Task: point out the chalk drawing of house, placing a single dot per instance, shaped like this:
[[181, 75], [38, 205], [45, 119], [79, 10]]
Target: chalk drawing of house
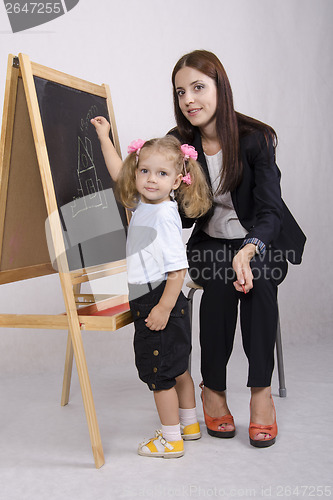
[[91, 193]]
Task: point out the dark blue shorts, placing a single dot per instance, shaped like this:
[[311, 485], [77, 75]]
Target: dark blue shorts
[[161, 356]]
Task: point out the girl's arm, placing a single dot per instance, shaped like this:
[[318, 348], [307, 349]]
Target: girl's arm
[[159, 315], [111, 157]]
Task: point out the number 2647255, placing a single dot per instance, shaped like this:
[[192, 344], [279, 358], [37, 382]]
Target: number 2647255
[[34, 8]]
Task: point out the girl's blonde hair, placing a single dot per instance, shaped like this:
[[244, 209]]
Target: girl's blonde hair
[[194, 199]]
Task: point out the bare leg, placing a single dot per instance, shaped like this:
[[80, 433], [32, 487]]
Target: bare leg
[[167, 406], [216, 405], [169, 401], [185, 391], [262, 411]]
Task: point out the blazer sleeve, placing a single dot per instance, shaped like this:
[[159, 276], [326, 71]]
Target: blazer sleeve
[[266, 205]]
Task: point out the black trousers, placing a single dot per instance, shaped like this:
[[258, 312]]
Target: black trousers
[[210, 262]]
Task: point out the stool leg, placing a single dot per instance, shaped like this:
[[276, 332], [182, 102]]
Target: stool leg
[[190, 309], [279, 355]]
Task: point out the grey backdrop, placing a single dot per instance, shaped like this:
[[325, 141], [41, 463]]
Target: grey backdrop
[[278, 55]]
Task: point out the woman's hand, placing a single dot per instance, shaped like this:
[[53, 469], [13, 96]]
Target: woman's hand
[[241, 265], [158, 317], [102, 127]]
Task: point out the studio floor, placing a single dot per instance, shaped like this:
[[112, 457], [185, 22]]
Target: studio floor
[[45, 449]]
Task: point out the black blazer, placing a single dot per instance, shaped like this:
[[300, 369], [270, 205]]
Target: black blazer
[[257, 199]]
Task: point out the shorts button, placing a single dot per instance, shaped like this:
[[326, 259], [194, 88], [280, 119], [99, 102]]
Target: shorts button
[[156, 353], [155, 369], [153, 386], [182, 311], [138, 313]]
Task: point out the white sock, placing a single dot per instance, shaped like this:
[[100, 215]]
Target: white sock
[[188, 416], [171, 432]]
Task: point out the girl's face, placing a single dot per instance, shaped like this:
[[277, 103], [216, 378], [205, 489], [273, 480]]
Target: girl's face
[[197, 97], [156, 177]]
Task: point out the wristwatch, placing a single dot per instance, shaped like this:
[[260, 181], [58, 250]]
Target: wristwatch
[[260, 247]]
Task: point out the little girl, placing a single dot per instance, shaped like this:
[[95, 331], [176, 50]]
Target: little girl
[[154, 173]]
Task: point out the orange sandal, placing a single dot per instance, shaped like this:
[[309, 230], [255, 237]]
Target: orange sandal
[[255, 429], [213, 423]]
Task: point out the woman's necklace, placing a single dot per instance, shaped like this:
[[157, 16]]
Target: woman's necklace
[[210, 147]]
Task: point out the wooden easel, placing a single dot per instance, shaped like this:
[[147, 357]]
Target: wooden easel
[[24, 157]]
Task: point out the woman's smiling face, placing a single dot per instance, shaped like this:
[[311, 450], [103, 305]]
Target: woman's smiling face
[[197, 96]]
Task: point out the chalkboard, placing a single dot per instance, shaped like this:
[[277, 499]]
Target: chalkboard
[[93, 222]]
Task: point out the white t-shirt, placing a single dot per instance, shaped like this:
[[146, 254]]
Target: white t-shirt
[[224, 222], [154, 243]]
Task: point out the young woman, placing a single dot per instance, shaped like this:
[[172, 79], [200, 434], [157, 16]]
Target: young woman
[[237, 252]]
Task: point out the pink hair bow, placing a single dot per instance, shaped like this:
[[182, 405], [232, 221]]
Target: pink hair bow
[[135, 146], [187, 179], [189, 151]]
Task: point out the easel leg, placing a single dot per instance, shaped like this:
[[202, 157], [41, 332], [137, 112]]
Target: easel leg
[[66, 385], [75, 346], [87, 396]]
